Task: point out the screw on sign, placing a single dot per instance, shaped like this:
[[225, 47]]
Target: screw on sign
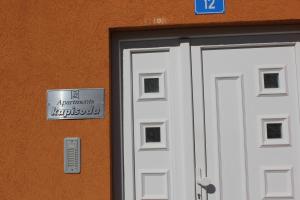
[[209, 6]]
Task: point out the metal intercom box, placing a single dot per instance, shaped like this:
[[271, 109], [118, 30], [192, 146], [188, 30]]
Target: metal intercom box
[[72, 155]]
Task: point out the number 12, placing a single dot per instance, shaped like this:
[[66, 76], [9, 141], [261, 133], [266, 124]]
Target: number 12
[[209, 4]]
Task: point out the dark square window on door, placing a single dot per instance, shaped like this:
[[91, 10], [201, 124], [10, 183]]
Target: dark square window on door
[[271, 80], [152, 134], [151, 85], [274, 130]]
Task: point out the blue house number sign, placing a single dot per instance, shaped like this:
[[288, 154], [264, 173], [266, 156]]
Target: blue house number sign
[[209, 6]]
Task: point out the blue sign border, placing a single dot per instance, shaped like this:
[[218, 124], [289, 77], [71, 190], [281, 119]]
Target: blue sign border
[[209, 12]]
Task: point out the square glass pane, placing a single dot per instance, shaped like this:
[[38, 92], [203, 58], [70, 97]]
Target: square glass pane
[[152, 134], [151, 85], [274, 131], [271, 80]]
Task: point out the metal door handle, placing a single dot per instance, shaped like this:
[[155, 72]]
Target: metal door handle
[[204, 182]]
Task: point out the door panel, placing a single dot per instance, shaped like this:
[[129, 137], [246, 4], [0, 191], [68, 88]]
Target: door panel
[[160, 140], [252, 124], [229, 153]]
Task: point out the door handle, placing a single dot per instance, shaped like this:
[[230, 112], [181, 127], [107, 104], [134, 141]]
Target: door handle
[[204, 182]]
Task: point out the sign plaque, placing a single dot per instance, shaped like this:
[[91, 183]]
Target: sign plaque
[[209, 6], [75, 104]]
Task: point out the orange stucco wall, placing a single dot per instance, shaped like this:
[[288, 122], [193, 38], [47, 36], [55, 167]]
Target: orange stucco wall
[[65, 44]]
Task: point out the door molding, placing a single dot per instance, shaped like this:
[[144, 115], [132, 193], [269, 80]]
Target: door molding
[[235, 37]]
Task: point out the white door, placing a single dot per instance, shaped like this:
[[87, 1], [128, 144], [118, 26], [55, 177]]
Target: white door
[[227, 114], [251, 120], [158, 130]]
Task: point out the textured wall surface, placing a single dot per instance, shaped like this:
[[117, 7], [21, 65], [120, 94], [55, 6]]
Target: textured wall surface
[[53, 44]]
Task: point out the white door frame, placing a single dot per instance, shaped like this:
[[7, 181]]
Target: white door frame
[[210, 39]]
